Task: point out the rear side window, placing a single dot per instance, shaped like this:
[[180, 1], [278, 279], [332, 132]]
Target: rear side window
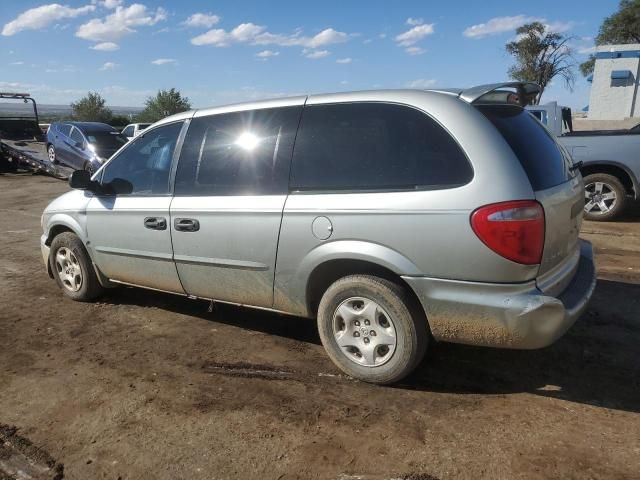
[[240, 153], [544, 162], [369, 146]]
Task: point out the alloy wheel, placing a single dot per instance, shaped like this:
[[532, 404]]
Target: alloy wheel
[[600, 198], [364, 331], [68, 269]]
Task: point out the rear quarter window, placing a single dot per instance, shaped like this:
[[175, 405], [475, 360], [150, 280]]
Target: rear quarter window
[[373, 146], [543, 160]]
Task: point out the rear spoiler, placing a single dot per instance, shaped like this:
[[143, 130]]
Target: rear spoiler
[[495, 93]]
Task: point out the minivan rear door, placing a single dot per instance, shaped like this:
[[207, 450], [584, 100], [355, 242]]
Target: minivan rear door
[[557, 186]]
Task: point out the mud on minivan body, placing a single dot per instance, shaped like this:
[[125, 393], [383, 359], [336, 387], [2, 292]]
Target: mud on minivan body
[[393, 217]]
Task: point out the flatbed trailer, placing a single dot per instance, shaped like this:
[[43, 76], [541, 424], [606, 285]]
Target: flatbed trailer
[[23, 144]]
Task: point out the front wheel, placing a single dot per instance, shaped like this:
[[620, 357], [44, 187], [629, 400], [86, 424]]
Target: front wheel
[[605, 197], [72, 268], [371, 330]]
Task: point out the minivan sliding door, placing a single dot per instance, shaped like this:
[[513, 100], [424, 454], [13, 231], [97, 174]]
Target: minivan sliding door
[[230, 189]]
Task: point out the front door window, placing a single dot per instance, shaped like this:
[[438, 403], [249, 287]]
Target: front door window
[[143, 166]]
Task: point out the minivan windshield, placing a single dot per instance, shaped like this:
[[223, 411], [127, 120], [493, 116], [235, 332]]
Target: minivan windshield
[[543, 160]]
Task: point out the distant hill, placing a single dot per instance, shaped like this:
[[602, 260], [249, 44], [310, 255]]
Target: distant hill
[[8, 109]]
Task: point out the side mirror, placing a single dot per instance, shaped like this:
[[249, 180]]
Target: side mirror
[[80, 145], [80, 180]]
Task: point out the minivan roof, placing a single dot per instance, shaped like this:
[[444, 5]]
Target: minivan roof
[[469, 95]]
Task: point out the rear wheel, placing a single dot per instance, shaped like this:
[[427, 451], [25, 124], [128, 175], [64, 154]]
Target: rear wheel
[[370, 330], [72, 268], [605, 197]]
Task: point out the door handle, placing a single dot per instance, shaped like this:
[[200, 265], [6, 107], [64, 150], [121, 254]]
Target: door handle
[[155, 223], [186, 224]]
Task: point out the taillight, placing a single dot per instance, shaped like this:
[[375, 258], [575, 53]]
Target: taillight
[[514, 230]]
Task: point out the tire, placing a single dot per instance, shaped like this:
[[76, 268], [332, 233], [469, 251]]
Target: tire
[[51, 154], [72, 268], [394, 313], [599, 204]]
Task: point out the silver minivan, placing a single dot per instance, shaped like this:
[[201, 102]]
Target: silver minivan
[[396, 218]]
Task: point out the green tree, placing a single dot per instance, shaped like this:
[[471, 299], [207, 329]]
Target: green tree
[[119, 121], [621, 27], [165, 103], [541, 56], [91, 108], [586, 67]]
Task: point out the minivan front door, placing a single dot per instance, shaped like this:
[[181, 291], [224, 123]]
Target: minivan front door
[[230, 190], [128, 228]]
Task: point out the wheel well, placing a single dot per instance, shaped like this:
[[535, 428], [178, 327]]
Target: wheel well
[[55, 231], [327, 273], [618, 172]]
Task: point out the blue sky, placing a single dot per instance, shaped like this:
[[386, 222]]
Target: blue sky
[[218, 52]]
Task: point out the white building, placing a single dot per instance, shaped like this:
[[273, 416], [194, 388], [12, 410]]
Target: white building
[[615, 83]]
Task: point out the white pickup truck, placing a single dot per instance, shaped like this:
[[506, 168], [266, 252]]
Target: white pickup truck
[[609, 160], [133, 129]]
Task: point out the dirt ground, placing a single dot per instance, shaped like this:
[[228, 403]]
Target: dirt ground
[[143, 385]]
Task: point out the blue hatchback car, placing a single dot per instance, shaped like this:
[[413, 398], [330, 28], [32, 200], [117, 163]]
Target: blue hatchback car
[[82, 145]]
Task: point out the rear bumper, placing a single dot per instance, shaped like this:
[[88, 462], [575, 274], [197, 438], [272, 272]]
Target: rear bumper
[[505, 315]]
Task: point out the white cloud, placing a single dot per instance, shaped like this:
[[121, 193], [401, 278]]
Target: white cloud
[[267, 53], [164, 61], [315, 54], [328, 36], [559, 27], [105, 47], [47, 93], [16, 63], [40, 17], [67, 69], [414, 35], [415, 50], [120, 23], [421, 83], [204, 20], [111, 4], [257, 35], [108, 66], [414, 21], [243, 94], [344, 61], [497, 25], [587, 50], [123, 96], [219, 37]]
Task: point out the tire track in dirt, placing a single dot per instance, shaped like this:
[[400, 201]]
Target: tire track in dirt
[[22, 460]]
